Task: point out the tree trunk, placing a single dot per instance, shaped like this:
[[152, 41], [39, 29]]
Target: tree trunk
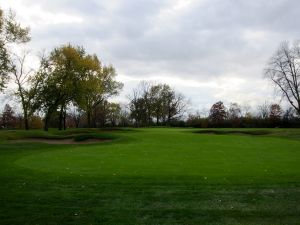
[[65, 115], [89, 118], [26, 120], [25, 113], [47, 117], [61, 118], [60, 121], [77, 123], [94, 118]]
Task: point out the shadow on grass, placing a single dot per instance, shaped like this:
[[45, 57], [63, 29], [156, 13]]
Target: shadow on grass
[[222, 132]]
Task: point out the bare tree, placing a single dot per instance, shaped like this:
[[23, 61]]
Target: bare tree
[[264, 110], [11, 32], [139, 105], [284, 70], [25, 92], [75, 114], [234, 114], [289, 114], [246, 110], [176, 106], [234, 111]]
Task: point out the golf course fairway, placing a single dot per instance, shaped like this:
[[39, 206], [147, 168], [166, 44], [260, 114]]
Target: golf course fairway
[[151, 176]]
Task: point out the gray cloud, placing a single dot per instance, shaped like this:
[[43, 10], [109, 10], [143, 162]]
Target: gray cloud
[[201, 41]]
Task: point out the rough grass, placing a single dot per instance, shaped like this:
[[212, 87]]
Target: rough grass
[[73, 134], [98, 136], [248, 132], [154, 176]]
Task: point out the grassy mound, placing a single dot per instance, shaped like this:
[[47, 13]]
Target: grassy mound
[[72, 134]]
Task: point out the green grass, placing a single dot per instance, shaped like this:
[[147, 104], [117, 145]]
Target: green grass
[[152, 176]]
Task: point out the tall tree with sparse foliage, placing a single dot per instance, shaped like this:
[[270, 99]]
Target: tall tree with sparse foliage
[[283, 70], [26, 89], [11, 32]]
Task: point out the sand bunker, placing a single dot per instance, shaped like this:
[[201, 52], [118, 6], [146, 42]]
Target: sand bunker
[[60, 141]]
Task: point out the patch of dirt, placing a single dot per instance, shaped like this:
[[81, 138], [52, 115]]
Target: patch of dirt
[[59, 141]]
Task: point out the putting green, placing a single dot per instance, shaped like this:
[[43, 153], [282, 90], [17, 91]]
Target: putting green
[[151, 176], [175, 155]]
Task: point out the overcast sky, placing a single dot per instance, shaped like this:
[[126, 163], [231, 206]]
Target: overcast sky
[[209, 50]]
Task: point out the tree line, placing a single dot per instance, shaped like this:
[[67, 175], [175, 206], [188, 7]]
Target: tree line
[[236, 116], [72, 88], [143, 112], [68, 77]]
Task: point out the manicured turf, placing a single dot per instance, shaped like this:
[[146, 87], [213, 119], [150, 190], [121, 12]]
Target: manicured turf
[[152, 176]]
